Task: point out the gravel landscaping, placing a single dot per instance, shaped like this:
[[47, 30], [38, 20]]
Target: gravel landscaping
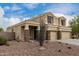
[[33, 49]]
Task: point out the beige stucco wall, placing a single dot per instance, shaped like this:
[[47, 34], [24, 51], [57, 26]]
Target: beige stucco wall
[[44, 17], [54, 20], [17, 31], [53, 27]]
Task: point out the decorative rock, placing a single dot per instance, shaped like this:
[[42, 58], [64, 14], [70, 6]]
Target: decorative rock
[[42, 48]]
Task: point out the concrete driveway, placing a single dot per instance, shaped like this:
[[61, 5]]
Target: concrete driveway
[[70, 41]]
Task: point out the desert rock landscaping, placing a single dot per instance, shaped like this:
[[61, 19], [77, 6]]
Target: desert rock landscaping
[[32, 49]]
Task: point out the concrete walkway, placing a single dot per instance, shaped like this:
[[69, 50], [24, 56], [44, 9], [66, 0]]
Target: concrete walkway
[[70, 41]]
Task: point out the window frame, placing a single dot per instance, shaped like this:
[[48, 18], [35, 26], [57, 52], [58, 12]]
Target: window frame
[[49, 19], [63, 22]]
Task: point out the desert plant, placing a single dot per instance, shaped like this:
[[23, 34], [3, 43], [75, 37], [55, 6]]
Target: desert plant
[[7, 44], [42, 34], [1, 30], [3, 41]]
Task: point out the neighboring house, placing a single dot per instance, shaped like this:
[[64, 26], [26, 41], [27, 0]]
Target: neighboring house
[[29, 29]]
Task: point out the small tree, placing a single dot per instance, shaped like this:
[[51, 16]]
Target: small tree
[[74, 23], [3, 41], [1, 29]]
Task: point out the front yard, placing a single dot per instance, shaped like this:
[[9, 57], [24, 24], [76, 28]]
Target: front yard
[[32, 49]]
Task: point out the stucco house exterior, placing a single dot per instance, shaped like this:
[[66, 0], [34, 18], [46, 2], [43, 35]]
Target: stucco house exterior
[[28, 29]]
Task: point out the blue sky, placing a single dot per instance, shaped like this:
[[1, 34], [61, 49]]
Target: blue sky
[[11, 13]]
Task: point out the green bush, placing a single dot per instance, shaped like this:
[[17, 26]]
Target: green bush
[[3, 41]]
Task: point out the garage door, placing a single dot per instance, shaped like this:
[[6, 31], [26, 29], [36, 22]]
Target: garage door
[[53, 36], [65, 35]]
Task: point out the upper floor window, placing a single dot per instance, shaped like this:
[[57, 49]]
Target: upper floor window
[[49, 19], [63, 22]]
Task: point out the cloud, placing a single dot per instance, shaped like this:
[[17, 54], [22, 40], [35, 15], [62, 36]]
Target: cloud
[[1, 12], [61, 8], [1, 15], [7, 8], [13, 21], [15, 7], [26, 18], [31, 6], [6, 22], [68, 17]]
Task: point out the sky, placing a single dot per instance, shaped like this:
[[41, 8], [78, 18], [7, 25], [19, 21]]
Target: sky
[[13, 13]]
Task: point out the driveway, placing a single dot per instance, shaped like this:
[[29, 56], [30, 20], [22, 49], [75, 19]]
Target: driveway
[[70, 41]]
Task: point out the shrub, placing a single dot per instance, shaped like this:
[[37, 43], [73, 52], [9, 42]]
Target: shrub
[[7, 44], [3, 41]]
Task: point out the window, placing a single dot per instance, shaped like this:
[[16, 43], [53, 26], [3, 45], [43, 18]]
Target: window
[[63, 22], [49, 19]]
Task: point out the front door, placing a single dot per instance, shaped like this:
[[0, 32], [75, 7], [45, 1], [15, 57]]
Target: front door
[[33, 32], [58, 35]]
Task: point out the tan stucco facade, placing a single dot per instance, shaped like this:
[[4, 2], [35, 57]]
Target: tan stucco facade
[[52, 27]]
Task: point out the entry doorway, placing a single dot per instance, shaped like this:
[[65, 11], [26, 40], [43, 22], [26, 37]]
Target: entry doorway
[[58, 35], [33, 32]]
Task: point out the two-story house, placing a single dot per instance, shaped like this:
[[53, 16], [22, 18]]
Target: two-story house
[[28, 29]]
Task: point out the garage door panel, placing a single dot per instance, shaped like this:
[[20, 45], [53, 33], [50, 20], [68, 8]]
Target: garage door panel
[[65, 35], [53, 36]]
